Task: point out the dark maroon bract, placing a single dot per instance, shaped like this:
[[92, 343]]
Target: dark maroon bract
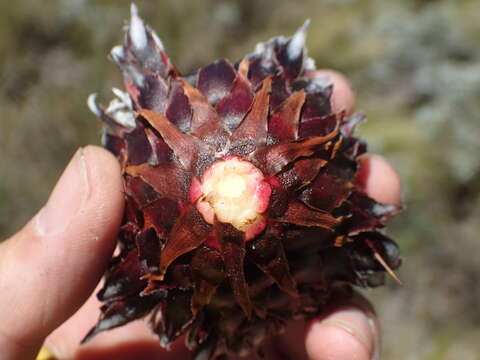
[[242, 209]]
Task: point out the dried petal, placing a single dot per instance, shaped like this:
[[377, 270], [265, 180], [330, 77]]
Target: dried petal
[[215, 80], [176, 317], [291, 55], [301, 174], [299, 214], [206, 124], [326, 192], [123, 279], [161, 215], [188, 233], [208, 272], [120, 312], [252, 132], [148, 245], [169, 180], [268, 253], [233, 250], [233, 107], [141, 193], [274, 158], [179, 110], [139, 149], [284, 123], [190, 151], [319, 126]]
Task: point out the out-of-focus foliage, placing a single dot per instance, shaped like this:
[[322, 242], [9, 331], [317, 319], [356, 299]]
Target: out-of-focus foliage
[[414, 64], [432, 61]]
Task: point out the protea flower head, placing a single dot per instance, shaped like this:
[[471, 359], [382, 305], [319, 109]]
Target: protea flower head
[[242, 209]]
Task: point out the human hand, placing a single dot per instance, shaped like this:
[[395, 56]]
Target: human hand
[[51, 267]]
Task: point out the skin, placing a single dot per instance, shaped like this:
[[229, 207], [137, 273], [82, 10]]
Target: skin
[[51, 267]]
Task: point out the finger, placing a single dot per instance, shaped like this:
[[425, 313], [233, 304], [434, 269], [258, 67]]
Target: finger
[[349, 331], [379, 179], [343, 96], [52, 265], [132, 341]]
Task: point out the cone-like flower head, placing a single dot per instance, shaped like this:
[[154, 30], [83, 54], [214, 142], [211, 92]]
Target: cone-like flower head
[[242, 209]]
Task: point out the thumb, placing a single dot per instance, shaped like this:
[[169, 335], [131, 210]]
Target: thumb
[[51, 266]]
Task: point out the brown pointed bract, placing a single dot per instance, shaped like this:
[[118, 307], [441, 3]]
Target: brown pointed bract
[[251, 134], [284, 122], [233, 251], [242, 208], [189, 232]]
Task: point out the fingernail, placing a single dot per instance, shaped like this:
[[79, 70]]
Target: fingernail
[[375, 330], [67, 198]]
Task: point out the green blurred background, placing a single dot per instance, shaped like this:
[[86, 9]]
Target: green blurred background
[[414, 64]]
